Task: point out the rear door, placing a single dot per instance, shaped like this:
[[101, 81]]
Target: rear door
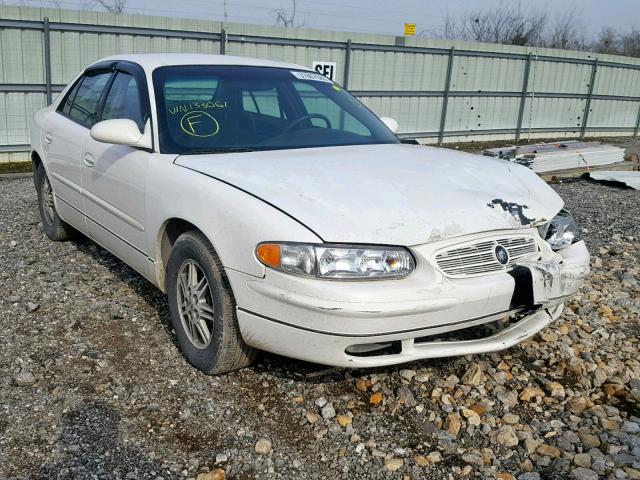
[[63, 134], [114, 175]]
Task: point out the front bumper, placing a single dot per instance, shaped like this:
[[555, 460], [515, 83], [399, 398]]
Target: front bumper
[[328, 322]]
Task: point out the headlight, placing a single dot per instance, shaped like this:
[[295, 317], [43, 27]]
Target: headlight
[[338, 262], [561, 231]]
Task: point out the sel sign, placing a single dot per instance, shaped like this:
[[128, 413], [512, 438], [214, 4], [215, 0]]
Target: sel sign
[[328, 69]]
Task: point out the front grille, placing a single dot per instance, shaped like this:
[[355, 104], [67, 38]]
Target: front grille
[[479, 258]]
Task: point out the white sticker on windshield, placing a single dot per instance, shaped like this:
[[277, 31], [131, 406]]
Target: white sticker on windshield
[[310, 76]]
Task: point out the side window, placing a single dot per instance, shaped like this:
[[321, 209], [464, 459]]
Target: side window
[[123, 100], [84, 108], [315, 102], [264, 102]]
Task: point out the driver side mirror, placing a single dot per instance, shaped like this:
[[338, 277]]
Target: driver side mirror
[[390, 123], [122, 131]]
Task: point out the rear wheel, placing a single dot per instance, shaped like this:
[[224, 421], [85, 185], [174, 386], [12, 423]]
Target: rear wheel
[[55, 228], [202, 307]]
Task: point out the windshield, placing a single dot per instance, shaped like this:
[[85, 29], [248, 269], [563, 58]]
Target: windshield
[[234, 108]]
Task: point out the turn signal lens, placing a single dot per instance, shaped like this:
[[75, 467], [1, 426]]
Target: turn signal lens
[[269, 254]]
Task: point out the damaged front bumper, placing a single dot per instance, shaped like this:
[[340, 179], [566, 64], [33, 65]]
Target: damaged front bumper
[[367, 324]]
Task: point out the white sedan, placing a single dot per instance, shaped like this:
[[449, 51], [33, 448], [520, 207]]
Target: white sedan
[[278, 213]]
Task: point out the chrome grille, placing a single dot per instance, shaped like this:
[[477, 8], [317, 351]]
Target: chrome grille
[[479, 258]]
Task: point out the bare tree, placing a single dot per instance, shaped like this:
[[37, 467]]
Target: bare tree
[[566, 34], [113, 6], [288, 18], [506, 23], [450, 30], [630, 43], [607, 41], [510, 24]]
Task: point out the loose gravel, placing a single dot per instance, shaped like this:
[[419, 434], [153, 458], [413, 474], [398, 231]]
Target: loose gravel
[[93, 386]]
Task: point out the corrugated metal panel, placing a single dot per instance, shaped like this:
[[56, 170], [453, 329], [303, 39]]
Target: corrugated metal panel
[[22, 56], [617, 81], [397, 71], [288, 53], [559, 77], [71, 52], [481, 113], [414, 114], [487, 74], [400, 70], [605, 113], [553, 112], [17, 110]]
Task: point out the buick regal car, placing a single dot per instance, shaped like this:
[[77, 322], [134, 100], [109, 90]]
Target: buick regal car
[[278, 213]]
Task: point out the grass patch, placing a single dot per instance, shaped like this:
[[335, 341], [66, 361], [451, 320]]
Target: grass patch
[[15, 167]]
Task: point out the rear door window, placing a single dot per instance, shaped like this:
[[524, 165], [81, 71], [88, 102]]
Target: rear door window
[[85, 105]]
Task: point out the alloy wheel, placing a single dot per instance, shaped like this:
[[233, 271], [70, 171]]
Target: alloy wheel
[[195, 304], [47, 201]]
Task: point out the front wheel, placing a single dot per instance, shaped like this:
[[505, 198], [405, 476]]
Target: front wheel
[[202, 307], [55, 228]]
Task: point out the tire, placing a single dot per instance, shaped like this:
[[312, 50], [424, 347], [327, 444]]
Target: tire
[[203, 315], [55, 228]]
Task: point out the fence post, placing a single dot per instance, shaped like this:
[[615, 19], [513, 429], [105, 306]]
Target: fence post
[[635, 130], [47, 60], [523, 98], [223, 41], [585, 117], [445, 99], [347, 64]]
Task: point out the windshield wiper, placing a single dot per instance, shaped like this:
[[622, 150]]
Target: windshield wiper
[[219, 150]]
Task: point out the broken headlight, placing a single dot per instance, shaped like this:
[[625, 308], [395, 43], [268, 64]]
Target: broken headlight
[[337, 261], [561, 231]]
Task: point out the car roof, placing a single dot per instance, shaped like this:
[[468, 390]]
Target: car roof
[[150, 61]]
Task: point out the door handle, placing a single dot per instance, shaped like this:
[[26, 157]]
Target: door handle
[[48, 138], [89, 160]]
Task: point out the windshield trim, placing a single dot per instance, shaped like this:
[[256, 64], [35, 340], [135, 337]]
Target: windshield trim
[[287, 147]]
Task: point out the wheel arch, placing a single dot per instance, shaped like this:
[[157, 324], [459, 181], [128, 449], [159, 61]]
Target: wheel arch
[[169, 232], [36, 161]]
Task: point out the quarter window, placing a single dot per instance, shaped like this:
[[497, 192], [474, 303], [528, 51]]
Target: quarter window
[[65, 106]]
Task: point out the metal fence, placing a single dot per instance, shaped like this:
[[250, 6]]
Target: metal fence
[[436, 93]]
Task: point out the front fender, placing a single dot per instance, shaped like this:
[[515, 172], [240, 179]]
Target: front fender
[[233, 220]]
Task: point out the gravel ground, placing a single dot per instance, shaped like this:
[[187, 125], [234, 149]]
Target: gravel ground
[[92, 384]]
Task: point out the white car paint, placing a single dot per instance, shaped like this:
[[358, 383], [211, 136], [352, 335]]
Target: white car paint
[[426, 199], [421, 193]]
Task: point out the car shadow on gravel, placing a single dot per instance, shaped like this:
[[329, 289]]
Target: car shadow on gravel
[[268, 363], [91, 446], [143, 288]]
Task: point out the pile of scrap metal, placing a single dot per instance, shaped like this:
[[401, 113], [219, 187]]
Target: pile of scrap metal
[[552, 157]]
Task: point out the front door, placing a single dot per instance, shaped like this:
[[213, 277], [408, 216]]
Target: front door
[[114, 175], [63, 134]]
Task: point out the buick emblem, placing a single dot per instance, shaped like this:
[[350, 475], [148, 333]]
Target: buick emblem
[[502, 255]]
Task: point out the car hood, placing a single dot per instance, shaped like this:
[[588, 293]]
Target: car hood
[[392, 194]]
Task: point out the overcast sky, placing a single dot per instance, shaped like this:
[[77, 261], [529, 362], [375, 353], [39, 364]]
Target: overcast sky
[[372, 16]]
